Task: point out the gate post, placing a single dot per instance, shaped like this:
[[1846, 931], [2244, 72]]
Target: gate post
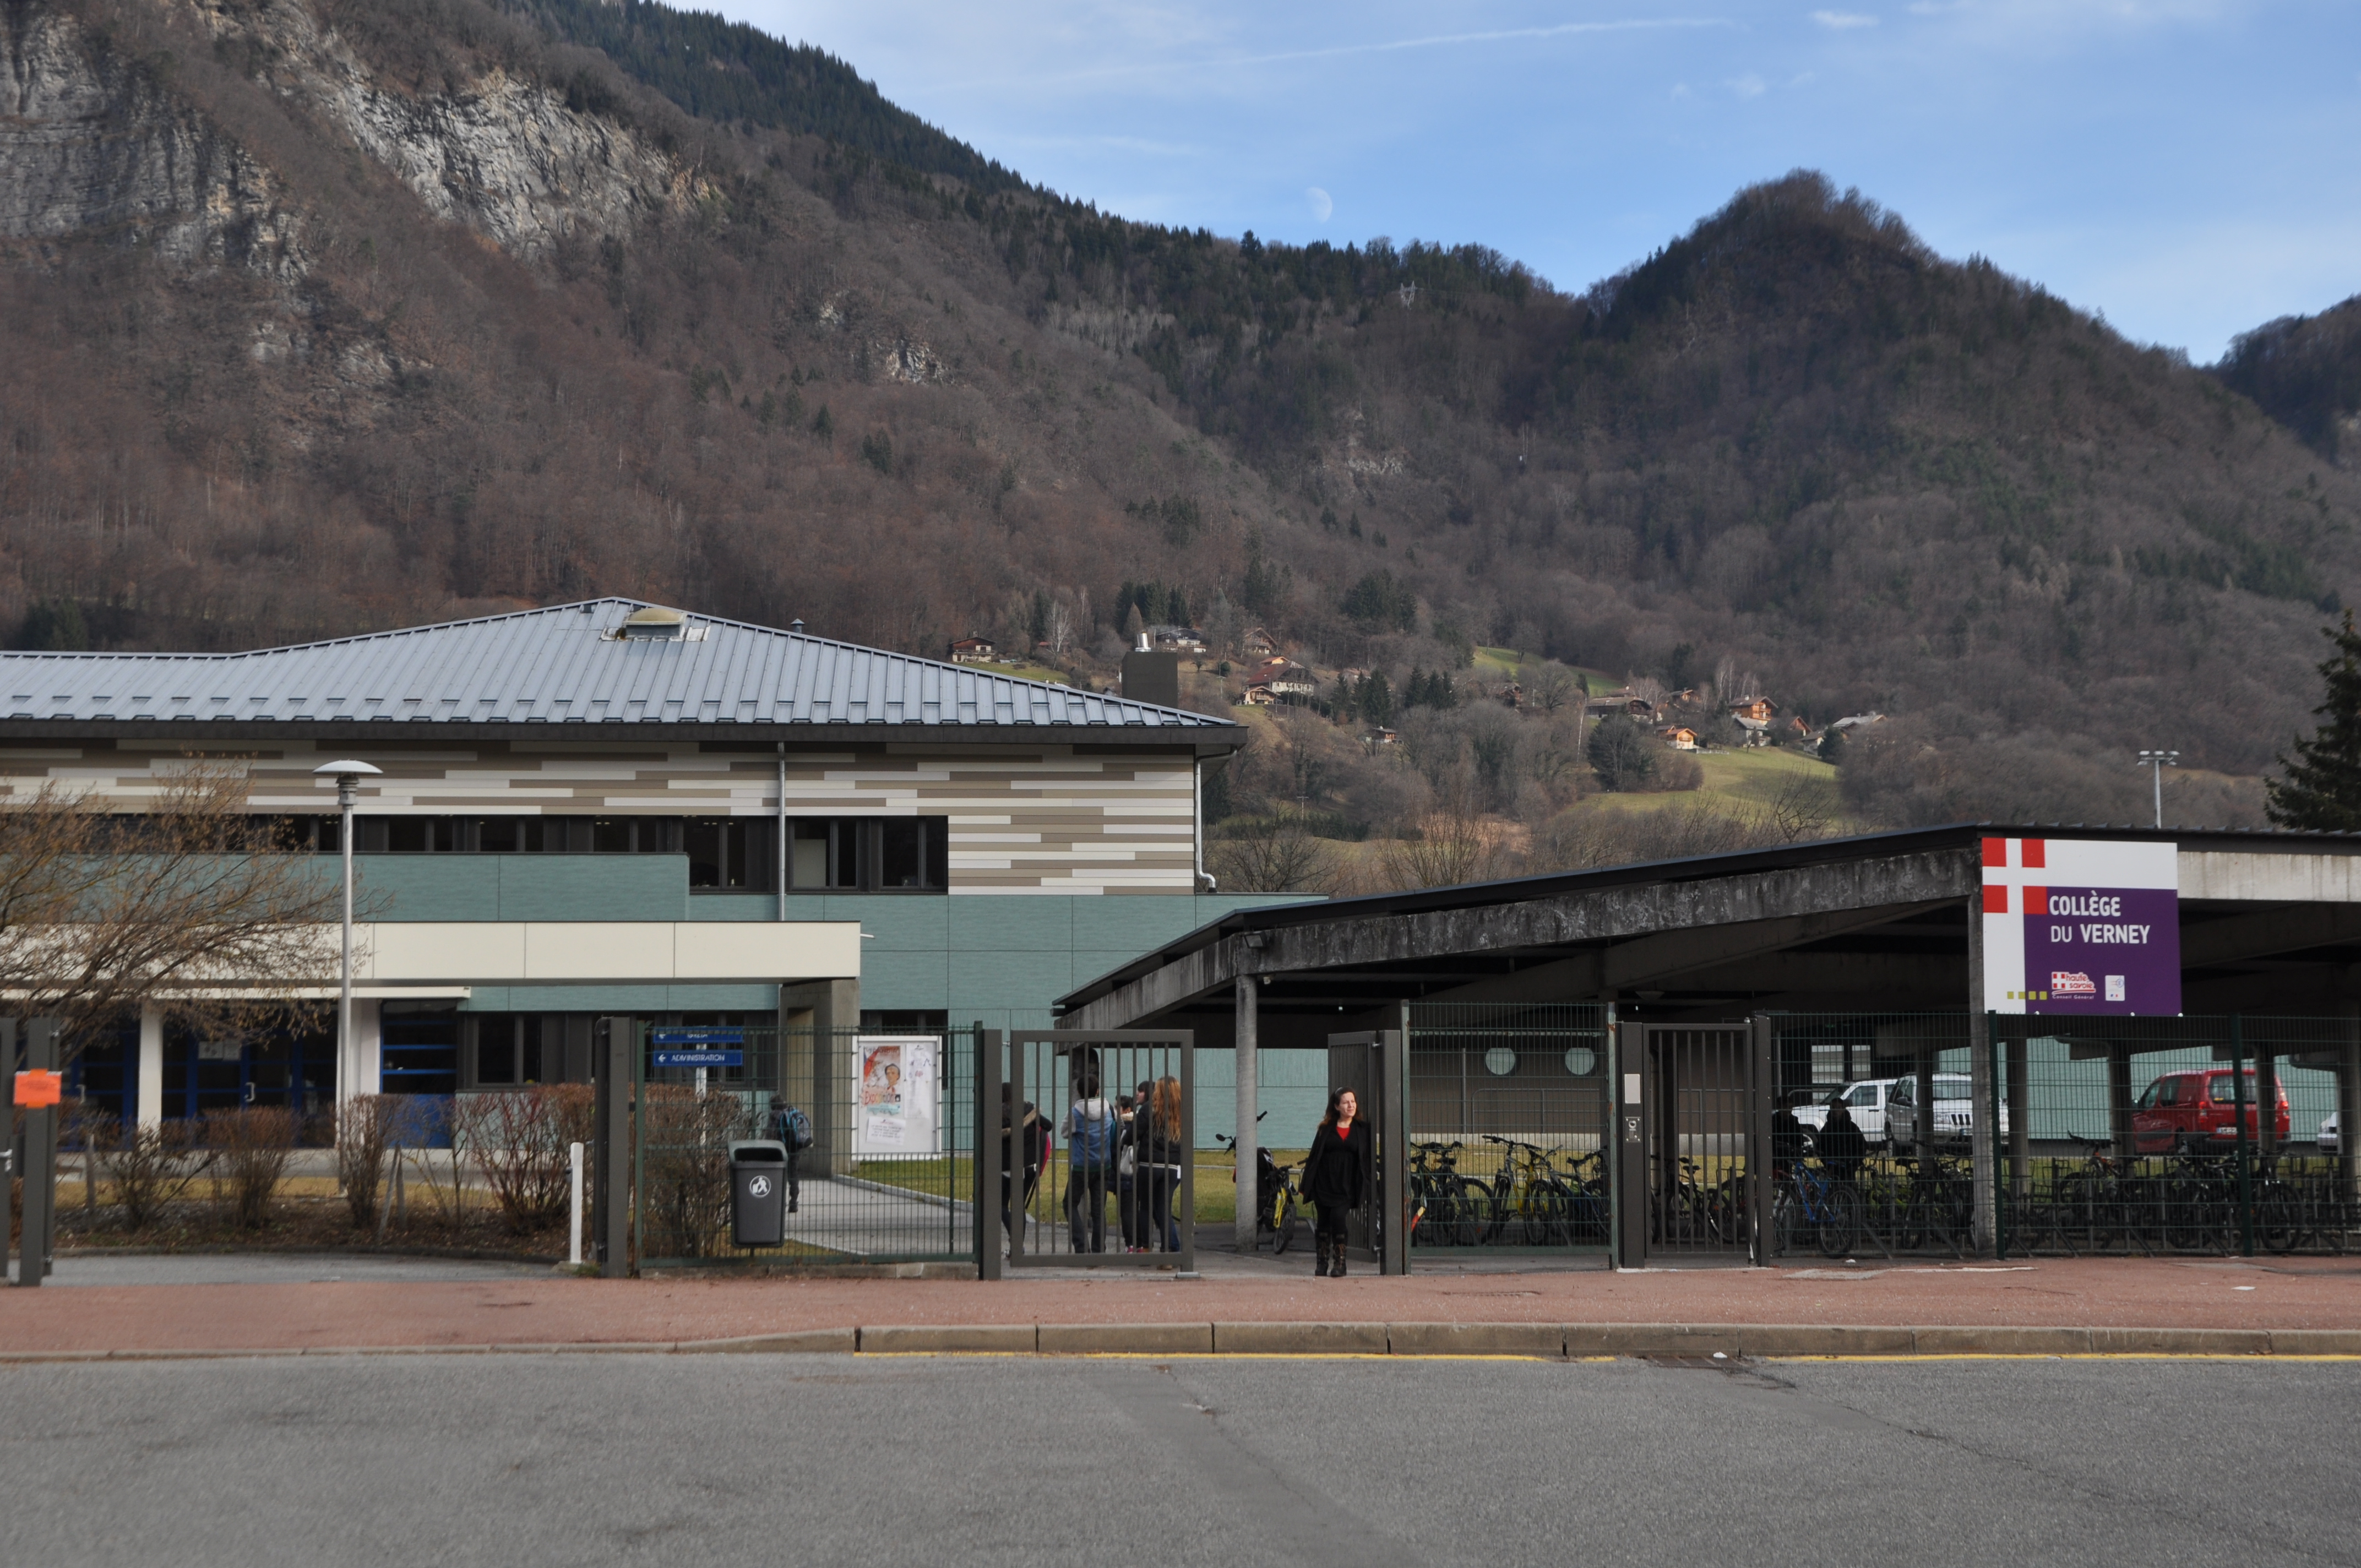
[[1763, 1076], [39, 1155], [1394, 1141], [988, 1152], [613, 1063], [1631, 1161]]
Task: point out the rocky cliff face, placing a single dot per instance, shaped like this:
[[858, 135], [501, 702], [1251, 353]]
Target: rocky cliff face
[[95, 143], [91, 145]]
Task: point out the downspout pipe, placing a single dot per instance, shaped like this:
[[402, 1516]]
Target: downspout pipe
[[1197, 793], [783, 830]]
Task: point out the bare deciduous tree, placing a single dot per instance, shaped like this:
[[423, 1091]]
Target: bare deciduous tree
[[188, 903], [1275, 855]]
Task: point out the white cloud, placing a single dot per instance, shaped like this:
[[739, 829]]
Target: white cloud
[[1749, 86], [1841, 21], [1322, 205]]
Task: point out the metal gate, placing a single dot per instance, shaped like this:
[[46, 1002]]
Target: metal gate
[[1067, 1195], [892, 1128], [1696, 1103], [1371, 1065]]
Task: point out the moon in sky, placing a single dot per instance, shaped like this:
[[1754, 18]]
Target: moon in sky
[[1321, 205]]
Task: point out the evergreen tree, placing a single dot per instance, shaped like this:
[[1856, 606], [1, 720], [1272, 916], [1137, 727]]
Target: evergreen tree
[[1376, 703], [2321, 789]]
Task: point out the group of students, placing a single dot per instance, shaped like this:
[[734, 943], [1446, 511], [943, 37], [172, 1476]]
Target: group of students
[[1129, 1148], [1132, 1148]]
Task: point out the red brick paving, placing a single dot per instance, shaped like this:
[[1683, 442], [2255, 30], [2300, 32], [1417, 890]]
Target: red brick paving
[[2191, 1293]]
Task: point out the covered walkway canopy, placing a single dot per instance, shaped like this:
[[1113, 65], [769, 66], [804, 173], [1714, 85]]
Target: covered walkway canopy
[[2271, 923]]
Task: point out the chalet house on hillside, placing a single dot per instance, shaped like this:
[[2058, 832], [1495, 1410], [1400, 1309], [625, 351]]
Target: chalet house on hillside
[[1258, 643], [1281, 681], [1754, 711], [973, 651], [1176, 639], [1679, 737], [1856, 722]]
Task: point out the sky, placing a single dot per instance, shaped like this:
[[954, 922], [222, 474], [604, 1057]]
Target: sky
[[2191, 169]]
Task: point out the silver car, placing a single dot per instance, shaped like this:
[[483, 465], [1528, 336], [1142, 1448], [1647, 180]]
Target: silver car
[[1955, 1111], [2331, 1139]]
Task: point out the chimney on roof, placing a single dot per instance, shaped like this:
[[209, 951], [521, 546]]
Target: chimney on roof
[[795, 625]]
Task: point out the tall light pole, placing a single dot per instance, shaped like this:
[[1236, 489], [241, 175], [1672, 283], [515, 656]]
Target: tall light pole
[[347, 774], [2156, 762]]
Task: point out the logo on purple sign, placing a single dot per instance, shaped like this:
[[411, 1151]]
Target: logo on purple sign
[[2081, 927]]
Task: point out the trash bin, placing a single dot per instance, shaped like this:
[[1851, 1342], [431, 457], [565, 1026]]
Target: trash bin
[[758, 1192]]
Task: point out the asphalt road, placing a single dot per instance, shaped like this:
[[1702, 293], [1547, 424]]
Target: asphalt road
[[571, 1458]]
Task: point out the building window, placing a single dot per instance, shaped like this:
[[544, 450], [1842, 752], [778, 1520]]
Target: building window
[[726, 854]]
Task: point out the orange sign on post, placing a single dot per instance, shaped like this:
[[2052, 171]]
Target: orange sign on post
[[38, 1088]]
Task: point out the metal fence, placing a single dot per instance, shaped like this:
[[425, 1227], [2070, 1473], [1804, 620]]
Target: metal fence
[[1507, 1118], [1100, 1130], [2115, 1135], [888, 1177]]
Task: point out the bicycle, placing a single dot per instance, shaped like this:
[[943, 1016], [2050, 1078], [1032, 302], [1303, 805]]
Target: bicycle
[[1276, 1200], [1442, 1211], [1809, 1197]]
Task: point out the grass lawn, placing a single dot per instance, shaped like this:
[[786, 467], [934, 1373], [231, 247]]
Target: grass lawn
[[1217, 1192]]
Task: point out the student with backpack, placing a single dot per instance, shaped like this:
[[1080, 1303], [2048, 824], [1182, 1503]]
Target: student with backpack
[[1090, 1128], [790, 1126]]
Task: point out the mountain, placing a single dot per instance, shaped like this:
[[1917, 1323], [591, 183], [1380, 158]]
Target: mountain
[[329, 314], [2305, 372]]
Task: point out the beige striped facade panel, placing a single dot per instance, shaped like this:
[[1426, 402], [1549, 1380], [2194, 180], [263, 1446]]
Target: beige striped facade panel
[[1021, 819]]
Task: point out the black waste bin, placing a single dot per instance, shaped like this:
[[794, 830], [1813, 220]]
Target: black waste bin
[[758, 1192]]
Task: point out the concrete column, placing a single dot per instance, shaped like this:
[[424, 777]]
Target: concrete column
[[368, 1047], [834, 1005], [1248, 1141], [2020, 1119], [2348, 1106], [149, 1079]]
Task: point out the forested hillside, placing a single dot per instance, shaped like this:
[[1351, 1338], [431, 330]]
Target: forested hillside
[[2305, 372], [328, 315]]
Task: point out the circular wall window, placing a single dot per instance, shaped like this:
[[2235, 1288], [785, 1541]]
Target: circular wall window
[[1499, 1061], [1581, 1061]]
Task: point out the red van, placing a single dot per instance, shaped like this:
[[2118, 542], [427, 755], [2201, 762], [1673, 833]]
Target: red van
[[2188, 1111]]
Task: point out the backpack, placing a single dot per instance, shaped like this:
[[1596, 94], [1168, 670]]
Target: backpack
[[795, 1128], [1090, 1135]]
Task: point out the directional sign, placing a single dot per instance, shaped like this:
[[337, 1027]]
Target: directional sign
[[701, 1034], [700, 1058]]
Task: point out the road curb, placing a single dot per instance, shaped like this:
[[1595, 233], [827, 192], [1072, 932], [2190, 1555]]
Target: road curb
[[1534, 1340]]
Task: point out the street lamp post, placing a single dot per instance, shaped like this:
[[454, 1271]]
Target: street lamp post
[[2156, 762], [348, 775]]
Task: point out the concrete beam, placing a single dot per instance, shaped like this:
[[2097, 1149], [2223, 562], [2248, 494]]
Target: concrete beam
[[1845, 896], [2268, 931]]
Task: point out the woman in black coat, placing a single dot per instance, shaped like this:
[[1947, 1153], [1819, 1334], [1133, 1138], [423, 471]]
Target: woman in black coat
[[1338, 1175]]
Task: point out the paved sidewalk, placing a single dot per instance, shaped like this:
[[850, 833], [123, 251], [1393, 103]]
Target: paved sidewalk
[[269, 1313]]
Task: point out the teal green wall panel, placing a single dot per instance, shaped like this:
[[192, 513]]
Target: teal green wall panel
[[593, 887], [737, 906], [426, 887]]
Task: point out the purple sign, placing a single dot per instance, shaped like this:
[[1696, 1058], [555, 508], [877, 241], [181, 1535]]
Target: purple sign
[[2102, 949]]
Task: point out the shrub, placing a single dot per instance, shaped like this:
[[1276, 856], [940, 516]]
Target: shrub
[[366, 1133], [520, 1140], [251, 1149], [151, 1167]]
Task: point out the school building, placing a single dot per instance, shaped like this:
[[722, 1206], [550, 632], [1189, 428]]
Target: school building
[[617, 808]]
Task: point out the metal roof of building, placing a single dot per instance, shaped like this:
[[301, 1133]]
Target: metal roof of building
[[565, 664]]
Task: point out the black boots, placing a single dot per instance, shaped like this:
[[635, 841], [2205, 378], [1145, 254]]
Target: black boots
[[1319, 1258], [1331, 1265], [1337, 1258]]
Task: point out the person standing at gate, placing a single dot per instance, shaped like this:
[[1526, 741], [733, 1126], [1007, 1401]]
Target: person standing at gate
[[1023, 1136], [790, 1126], [1338, 1175], [1090, 1163], [1841, 1146], [1156, 1130]]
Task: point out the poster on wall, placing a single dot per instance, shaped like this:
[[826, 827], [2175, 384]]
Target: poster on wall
[[2076, 925], [897, 1095]]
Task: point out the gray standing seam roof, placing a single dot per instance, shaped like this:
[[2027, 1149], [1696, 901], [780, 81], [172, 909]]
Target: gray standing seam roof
[[562, 665]]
